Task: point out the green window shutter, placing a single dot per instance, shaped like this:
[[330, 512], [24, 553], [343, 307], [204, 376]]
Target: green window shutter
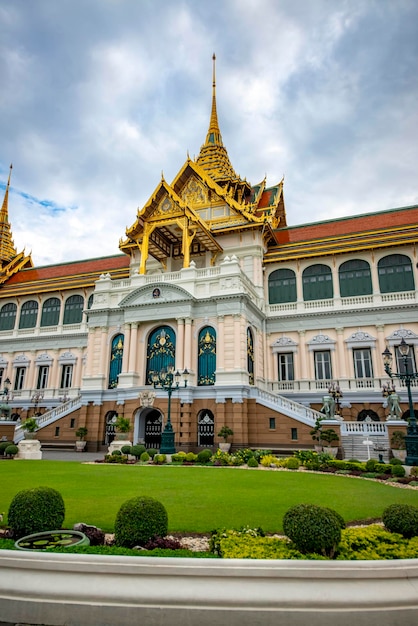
[[317, 283], [355, 278], [8, 316], [282, 286], [73, 310], [28, 314], [51, 312], [395, 273]]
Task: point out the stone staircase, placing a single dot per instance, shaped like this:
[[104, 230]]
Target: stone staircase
[[49, 417], [354, 438]]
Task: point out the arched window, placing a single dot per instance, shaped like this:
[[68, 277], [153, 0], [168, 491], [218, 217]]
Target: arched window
[[8, 316], [116, 355], [282, 286], [28, 314], [317, 282], [355, 278], [250, 356], [206, 360], [50, 312], [395, 273], [73, 310], [161, 351]]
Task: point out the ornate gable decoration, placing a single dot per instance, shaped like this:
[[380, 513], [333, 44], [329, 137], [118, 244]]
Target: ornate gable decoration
[[284, 344], [321, 342], [360, 339], [396, 337], [155, 294]]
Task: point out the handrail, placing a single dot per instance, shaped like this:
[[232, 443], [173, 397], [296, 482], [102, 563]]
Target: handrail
[[50, 416]]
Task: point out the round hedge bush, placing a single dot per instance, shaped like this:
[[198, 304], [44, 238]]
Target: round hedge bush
[[139, 520], [204, 456], [145, 457], [292, 463], [313, 528], [402, 519], [152, 452], [252, 462], [398, 471], [126, 449], [137, 450], [36, 510], [4, 445], [11, 450]]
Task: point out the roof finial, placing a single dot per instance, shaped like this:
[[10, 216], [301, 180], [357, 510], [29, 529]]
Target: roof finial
[[7, 249], [4, 213], [214, 134]]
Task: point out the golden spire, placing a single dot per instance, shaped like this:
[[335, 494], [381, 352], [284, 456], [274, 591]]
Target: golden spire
[[213, 156], [7, 249]]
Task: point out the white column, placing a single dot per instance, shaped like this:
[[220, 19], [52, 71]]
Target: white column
[[133, 347], [103, 350], [188, 344], [303, 356], [341, 360], [237, 342], [126, 347], [180, 345], [220, 344]]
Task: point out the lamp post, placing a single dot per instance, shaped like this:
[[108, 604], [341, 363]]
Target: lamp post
[[165, 379], [411, 439], [335, 391], [36, 399]]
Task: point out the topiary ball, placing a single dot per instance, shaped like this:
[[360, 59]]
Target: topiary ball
[[292, 463], [145, 457], [3, 446], [398, 471], [313, 528], [139, 520], [137, 450], [402, 519], [36, 510], [204, 456], [126, 449], [11, 450]]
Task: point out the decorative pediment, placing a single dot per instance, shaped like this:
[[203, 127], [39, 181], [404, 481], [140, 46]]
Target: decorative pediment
[[360, 339], [396, 337], [284, 344], [158, 293], [321, 342]]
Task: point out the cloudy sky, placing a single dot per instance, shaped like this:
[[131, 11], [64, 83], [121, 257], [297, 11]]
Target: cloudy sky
[[98, 97]]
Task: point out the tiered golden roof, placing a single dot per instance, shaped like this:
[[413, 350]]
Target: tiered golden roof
[[7, 248]]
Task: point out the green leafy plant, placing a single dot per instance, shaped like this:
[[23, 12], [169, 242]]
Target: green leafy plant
[[81, 432], [11, 450], [160, 459], [152, 452], [204, 456], [36, 510], [139, 520], [402, 519], [397, 440], [292, 463], [145, 457], [329, 436], [398, 470], [3, 446], [316, 432], [30, 425], [126, 449], [225, 432], [252, 462], [123, 424], [312, 529], [137, 450]]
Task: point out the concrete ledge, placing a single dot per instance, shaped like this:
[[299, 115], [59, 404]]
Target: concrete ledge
[[90, 590]]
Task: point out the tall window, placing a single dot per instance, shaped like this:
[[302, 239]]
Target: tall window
[[51, 312], [395, 273], [323, 365], [410, 359], [206, 360], [161, 351], [116, 356], [19, 378], [42, 381], [285, 366], [282, 286], [73, 310], [363, 363], [8, 316], [66, 376], [28, 314], [250, 356], [355, 278], [317, 283]]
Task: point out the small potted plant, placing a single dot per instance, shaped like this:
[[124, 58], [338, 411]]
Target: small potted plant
[[225, 432], [81, 432], [329, 436], [30, 426], [123, 427], [397, 444]]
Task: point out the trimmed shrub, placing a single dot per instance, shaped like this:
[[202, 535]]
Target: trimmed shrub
[[159, 459], [402, 519], [292, 463], [11, 450], [191, 457], [178, 457], [370, 465], [36, 510], [413, 471], [137, 450], [117, 452], [3, 446], [337, 516], [152, 452], [145, 457], [139, 520], [395, 461], [312, 529], [252, 462], [398, 470], [126, 449], [204, 456]]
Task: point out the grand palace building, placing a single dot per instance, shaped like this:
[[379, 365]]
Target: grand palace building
[[264, 319]]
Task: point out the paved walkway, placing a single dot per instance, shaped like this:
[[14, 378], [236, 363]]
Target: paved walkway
[[69, 455]]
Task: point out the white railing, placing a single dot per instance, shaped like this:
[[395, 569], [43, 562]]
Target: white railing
[[287, 406], [363, 428], [49, 417]]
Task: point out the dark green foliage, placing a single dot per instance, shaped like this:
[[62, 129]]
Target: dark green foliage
[[139, 520], [3, 446], [252, 462], [398, 470], [395, 461], [337, 516], [402, 519], [204, 456], [292, 463], [117, 453], [36, 510], [370, 465], [152, 452], [11, 450], [312, 529], [126, 449], [137, 450]]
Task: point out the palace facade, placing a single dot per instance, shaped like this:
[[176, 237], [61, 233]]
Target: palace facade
[[265, 319]]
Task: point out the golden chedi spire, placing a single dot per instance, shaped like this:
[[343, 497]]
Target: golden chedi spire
[[213, 157], [7, 248]]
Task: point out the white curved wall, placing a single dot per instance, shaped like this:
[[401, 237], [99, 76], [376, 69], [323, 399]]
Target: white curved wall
[[89, 590]]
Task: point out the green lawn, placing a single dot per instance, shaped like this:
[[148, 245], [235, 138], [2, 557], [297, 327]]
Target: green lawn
[[197, 499]]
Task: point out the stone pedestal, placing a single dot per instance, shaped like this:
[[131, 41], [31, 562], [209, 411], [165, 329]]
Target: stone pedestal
[[118, 445], [29, 449]]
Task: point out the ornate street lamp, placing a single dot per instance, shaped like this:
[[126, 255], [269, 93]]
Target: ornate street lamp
[[411, 439], [36, 399], [165, 379], [335, 391]]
